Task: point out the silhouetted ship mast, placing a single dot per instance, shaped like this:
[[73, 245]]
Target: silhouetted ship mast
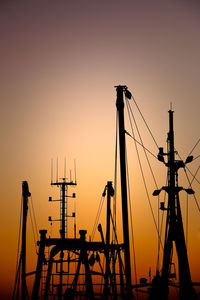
[[74, 268], [174, 227]]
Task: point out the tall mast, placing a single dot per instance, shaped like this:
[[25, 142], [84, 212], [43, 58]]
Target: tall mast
[[63, 205], [110, 193], [120, 108], [174, 225], [26, 194], [21, 270], [174, 231]]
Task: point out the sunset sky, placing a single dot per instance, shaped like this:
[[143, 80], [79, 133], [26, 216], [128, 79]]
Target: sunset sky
[[60, 61]]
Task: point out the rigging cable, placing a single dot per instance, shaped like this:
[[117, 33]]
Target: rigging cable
[[194, 147], [190, 183], [147, 149], [141, 169], [196, 157], [187, 222], [191, 187], [34, 218], [114, 228], [19, 239], [97, 217], [123, 267], [158, 196], [131, 217], [17, 272], [115, 179], [161, 227], [34, 236], [154, 179], [187, 206], [194, 176], [141, 145], [145, 122]]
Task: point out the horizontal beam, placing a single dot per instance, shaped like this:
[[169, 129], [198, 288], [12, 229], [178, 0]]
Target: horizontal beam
[[78, 244]]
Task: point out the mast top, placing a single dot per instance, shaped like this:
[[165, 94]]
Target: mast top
[[120, 90], [124, 88]]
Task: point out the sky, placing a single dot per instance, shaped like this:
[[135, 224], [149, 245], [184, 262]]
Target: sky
[[60, 61]]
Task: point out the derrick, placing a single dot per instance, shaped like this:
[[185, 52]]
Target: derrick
[[75, 267], [71, 267], [20, 287], [174, 232], [120, 109]]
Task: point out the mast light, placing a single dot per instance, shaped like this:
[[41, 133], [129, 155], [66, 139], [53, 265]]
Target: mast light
[[189, 159], [156, 192], [161, 154], [128, 94], [189, 191]]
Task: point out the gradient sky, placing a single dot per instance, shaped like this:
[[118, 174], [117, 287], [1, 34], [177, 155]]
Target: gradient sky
[[60, 61]]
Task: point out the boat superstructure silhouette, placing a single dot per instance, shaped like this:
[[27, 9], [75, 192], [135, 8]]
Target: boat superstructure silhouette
[[75, 267]]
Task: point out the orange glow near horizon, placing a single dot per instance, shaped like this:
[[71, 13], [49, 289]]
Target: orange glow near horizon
[[60, 63]]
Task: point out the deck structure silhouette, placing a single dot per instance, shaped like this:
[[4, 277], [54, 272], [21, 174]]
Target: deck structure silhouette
[[71, 267], [174, 232], [115, 278]]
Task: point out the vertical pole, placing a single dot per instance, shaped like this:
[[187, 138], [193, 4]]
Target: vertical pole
[[171, 217], [36, 286], [120, 109], [171, 204], [186, 290], [171, 169], [63, 211], [26, 194], [84, 257], [110, 192], [60, 287], [63, 229], [174, 228]]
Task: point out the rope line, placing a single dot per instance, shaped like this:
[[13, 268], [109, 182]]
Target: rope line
[[114, 228], [145, 122], [115, 178], [195, 174], [19, 239], [142, 173], [34, 236], [194, 147], [188, 168], [131, 218], [193, 194], [34, 218], [186, 222], [116, 236], [192, 175], [161, 228], [97, 217], [196, 157], [187, 209], [141, 144], [145, 149], [187, 206]]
